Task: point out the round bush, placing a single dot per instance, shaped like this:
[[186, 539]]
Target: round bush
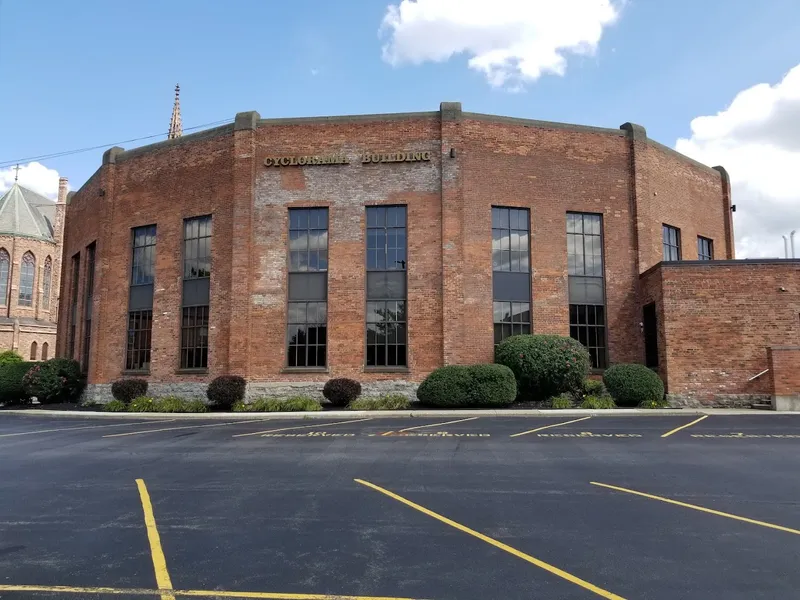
[[341, 391], [224, 391], [55, 380], [544, 365], [631, 384], [468, 386], [12, 390], [126, 390], [9, 356]]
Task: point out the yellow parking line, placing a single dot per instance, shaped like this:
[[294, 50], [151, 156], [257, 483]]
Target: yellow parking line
[[183, 427], [677, 429], [85, 427], [438, 424], [549, 426], [300, 427], [159, 560], [64, 589], [700, 508], [526, 557]]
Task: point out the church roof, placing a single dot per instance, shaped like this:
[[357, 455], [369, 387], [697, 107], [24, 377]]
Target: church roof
[[26, 213]]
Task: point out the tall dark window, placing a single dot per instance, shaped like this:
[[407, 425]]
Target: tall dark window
[[140, 299], [27, 275], [87, 305], [196, 292], [307, 319], [47, 283], [587, 310], [705, 248], [511, 277], [672, 242], [387, 261], [73, 301], [5, 267]]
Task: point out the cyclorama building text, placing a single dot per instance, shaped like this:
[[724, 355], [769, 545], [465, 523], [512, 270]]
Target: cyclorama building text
[[380, 247]]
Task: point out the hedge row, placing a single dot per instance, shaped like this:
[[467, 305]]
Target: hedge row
[[52, 381]]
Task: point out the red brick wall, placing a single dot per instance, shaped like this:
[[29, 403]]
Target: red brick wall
[[346, 190], [784, 370], [549, 171], [719, 319], [685, 195]]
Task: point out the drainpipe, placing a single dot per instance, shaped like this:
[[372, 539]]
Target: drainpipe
[[791, 237], [785, 246]]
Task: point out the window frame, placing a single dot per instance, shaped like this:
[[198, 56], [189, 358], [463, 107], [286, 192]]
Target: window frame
[[367, 300], [47, 282], [5, 259], [88, 300], [666, 229], [602, 365], [306, 301], [28, 261], [182, 367], [709, 244], [75, 272], [528, 272], [131, 274]]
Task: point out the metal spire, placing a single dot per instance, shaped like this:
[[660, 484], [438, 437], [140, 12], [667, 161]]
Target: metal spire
[[175, 124], [16, 174]]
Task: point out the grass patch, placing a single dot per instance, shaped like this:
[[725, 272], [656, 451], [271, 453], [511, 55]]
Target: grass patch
[[387, 402], [292, 404], [115, 406]]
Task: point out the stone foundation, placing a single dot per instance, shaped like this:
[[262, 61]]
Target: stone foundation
[[717, 401], [101, 392]]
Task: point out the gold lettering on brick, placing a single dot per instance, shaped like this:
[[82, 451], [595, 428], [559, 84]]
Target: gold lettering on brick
[[341, 159]]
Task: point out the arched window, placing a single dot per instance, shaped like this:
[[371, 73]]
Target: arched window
[[34, 347], [5, 263], [46, 284], [45, 348], [27, 270]]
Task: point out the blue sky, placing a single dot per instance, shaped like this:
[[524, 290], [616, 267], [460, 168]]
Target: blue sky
[[93, 72]]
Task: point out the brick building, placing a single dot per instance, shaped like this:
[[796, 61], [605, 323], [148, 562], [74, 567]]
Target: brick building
[[31, 234], [380, 247]]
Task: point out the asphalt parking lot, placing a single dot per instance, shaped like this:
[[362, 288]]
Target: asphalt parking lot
[[656, 507]]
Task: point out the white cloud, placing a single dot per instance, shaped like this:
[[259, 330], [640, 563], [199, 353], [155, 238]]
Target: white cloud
[[757, 139], [34, 176], [510, 41]]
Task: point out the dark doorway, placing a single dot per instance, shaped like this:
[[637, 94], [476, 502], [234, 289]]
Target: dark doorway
[[650, 336]]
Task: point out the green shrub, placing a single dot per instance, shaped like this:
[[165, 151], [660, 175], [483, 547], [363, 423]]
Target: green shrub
[[196, 406], [241, 406], [12, 390], [9, 356], [115, 406], [341, 391], [594, 387], [468, 386], [563, 401], [598, 402], [170, 404], [632, 384], [55, 380], [126, 390], [387, 402], [142, 404], [544, 365], [292, 404], [654, 404], [226, 390]]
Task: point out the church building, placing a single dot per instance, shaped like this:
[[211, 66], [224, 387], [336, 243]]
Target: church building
[[380, 247], [31, 236]]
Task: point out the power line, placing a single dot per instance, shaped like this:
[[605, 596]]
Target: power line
[[9, 163]]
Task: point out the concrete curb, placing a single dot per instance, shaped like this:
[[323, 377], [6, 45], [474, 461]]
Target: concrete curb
[[344, 414]]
